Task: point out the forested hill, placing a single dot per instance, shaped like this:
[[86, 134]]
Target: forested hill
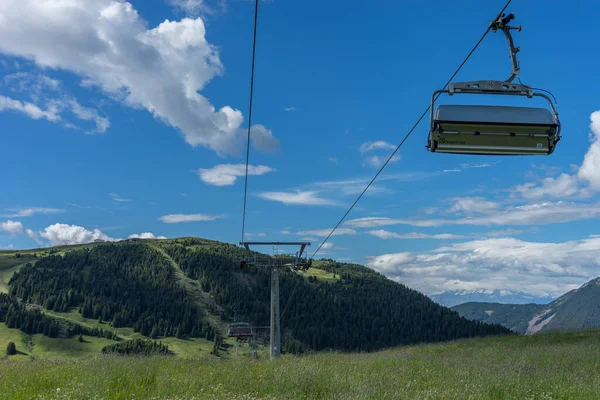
[[334, 306]]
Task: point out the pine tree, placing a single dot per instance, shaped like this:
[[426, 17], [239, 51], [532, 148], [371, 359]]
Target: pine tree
[[11, 349]]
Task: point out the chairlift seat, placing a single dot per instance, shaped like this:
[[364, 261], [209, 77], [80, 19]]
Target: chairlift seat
[[489, 130], [239, 330]]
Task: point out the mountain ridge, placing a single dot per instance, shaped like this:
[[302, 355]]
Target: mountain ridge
[[451, 298], [576, 309]]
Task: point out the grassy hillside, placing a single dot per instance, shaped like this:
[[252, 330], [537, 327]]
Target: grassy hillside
[[185, 290], [545, 366]]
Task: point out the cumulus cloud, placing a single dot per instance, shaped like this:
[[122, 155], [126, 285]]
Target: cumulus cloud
[[161, 70], [585, 182], [299, 197], [227, 174], [12, 227], [383, 234], [29, 211], [179, 218], [263, 139], [325, 232], [61, 234], [500, 263], [145, 235]]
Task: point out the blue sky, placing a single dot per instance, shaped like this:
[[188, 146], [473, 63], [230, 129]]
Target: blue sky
[[128, 118]]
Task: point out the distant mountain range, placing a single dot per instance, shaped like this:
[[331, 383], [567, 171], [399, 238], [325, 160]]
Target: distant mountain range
[[577, 309], [454, 297]]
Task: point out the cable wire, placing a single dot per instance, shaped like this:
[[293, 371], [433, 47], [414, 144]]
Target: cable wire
[[249, 118], [412, 129]]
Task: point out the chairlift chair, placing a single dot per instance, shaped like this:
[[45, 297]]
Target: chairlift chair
[[494, 130], [240, 330]]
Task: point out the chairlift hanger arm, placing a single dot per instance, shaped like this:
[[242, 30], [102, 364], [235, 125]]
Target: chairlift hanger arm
[[501, 23]]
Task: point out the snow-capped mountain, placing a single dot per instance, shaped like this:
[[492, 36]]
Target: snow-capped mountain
[[455, 297]]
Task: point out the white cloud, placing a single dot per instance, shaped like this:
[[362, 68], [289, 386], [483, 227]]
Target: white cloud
[[503, 263], [472, 205], [111, 48], [77, 205], [89, 114], [30, 82], [183, 194], [12, 227], [475, 165], [284, 232], [503, 232], [227, 174], [263, 139], [309, 198], [60, 234], [37, 87], [118, 198], [30, 109], [378, 145], [34, 236], [179, 218], [145, 235], [333, 160], [451, 170], [29, 211], [584, 182], [327, 245], [288, 109], [325, 232], [197, 7], [531, 214], [378, 161], [383, 234]]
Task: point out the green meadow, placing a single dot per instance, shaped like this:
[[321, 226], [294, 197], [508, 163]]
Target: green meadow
[[544, 366]]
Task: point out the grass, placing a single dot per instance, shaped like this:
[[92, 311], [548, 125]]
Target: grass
[[547, 366], [55, 348], [181, 347], [321, 275]]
